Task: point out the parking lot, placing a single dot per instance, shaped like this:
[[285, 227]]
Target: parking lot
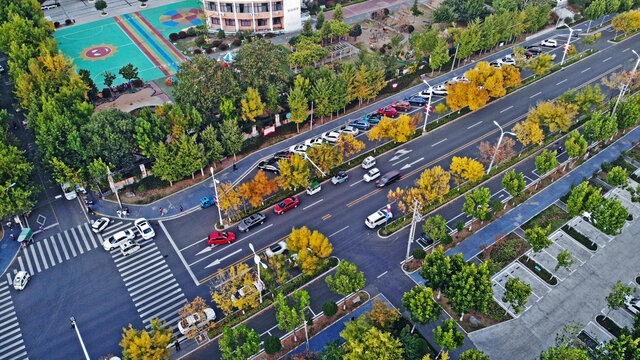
[[517, 270]]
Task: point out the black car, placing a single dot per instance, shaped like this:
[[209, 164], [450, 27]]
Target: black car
[[252, 221], [424, 240], [534, 49], [283, 155], [269, 165], [388, 178], [416, 100]]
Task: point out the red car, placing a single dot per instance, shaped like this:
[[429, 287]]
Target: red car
[[401, 105], [286, 205], [221, 237], [388, 111]]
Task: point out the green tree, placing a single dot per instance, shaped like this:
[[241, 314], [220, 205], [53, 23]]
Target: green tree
[[17, 190], [373, 344], [262, 64], [448, 336], [321, 95], [439, 55], [540, 64], [575, 144], [618, 295], [625, 346], [610, 216], [516, 293], [228, 108], [338, 14], [469, 39], [232, 136], [595, 10], [461, 10], [617, 176], [238, 343], [346, 280], [109, 135], [565, 260], [100, 6], [252, 105], [128, 72], [589, 96], [477, 203], [150, 128], [85, 74], [299, 106], [414, 9], [213, 149], [600, 127], [355, 31], [538, 237], [290, 311], [612, 6], [108, 78], [271, 99], [546, 161], [320, 19], [627, 114], [437, 269], [514, 183], [333, 350], [435, 227], [421, 306], [473, 354], [272, 345], [470, 288]]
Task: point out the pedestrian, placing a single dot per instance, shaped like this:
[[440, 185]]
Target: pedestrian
[[161, 212], [90, 210], [126, 211], [235, 167], [12, 236], [41, 228], [177, 345], [181, 208]]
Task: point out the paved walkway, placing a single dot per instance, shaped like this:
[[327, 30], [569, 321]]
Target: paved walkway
[[525, 211], [8, 248]]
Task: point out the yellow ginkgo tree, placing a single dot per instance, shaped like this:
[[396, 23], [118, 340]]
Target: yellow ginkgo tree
[[143, 345]]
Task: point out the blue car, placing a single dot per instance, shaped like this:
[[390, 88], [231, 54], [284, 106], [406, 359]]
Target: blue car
[[207, 201], [416, 100], [372, 118], [360, 125]]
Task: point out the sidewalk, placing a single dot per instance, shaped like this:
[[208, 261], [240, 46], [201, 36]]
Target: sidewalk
[[9, 248], [525, 211]]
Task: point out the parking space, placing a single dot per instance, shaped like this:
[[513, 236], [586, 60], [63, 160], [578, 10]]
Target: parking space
[[576, 249], [597, 333], [590, 231], [501, 196], [622, 316], [451, 224], [624, 197], [547, 258], [517, 270]]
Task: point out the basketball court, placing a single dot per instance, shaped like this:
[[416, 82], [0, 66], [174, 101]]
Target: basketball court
[[140, 38]]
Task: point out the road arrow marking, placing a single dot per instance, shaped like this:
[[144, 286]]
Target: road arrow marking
[[410, 164], [218, 261], [399, 154], [205, 250]]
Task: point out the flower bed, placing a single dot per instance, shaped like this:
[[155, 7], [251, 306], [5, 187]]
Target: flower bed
[[553, 215], [504, 251]]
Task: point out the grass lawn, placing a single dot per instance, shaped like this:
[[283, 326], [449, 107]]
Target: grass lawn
[[553, 215], [504, 251]]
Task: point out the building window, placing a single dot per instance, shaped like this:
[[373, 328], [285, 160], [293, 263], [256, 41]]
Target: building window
[[264, 7], [215, 21], [277, 6], [243, 8], [245, 22], [228, 7], [213, 6], [262, 22], [230, 22], [277, 21]]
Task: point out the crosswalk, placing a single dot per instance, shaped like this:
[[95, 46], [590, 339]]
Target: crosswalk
[[11, 343], [153, 288], [48, 251]]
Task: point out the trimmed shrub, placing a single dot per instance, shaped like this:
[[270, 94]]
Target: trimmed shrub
[[216, 43], [410, 29], [182, 34], [174, 36], [221, 35], [419, 253], [106, 92], [271, 35], [208, 50], [237, 42], [606, 166], [223, 47], [56, 24], [199, 41], [272, 345], [192, 32], [259, 36], [459, 225], [137, 83], [329, 308], [68, 21], [197, 51], [207, 46], [447, 239]]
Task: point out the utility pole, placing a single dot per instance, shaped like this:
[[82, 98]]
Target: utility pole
[[75, 326], [427, 110], [626, 86], [412, 232], [113, 186], [566, 49], [215, 192], [502, 132]]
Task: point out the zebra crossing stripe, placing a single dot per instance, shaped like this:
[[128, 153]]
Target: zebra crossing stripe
[[168, 310], [93, 239], [35, 261], [137, 296], [55, 248], [180, 298], [42, 257], [8, 315], [73, 250], [46, 244], [64, 249], [26, 258], [73, 232], [143, 257], [136, 292], [144, 252], [20, 262], [10, 340], [161, 272], [21, 348], [142, 308], [84, 239], [9, 277], [158, 262]]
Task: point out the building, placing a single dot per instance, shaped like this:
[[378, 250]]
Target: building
[[253, 15]]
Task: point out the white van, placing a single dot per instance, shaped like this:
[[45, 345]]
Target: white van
[[377, 218], [69, 191]]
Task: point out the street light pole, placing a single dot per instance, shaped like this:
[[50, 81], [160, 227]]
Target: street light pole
[[412, 232], [624, 87], [75, 326], [215, 192], [566, 49], [314, 164], [256, 259], [426, 111], [502, 132]]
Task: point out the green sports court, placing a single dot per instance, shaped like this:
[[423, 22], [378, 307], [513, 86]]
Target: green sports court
[[140, 38]]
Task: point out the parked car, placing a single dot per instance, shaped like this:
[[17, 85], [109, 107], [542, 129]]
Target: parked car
[[549, 43], [314, 188], [145, 229], [339, 178], [424, 240], [283, 155], [286, 205], [270, 165], [100, 224], [416, 100], [388, 111], [372, 174], [529, 54], [118, 238], [252, 221], [533, 49], [298, 149], [360, 124], [508, 60], [313, 142], [129, 247], [207, 201], [220, 238], [20, 280], [199, 320], [496, 64], [439, 90], [389, 178], [246, 290], [373, 118], [377, 218], [368, 162], [349, 129], [632, 304], [331, 136], [457, 79], [276, 249], [401, 105]]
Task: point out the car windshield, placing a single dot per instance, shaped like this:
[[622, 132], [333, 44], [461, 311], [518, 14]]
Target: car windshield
[[282, 204]]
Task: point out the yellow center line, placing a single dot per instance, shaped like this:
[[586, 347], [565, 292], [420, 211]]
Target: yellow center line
[[326, 217]]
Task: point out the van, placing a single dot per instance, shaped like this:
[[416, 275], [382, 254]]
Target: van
[[388, 178], [314, 188], [377, 218], [69, 192], [368, 162]]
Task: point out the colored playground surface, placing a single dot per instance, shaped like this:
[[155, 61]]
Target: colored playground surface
[[140, 38]]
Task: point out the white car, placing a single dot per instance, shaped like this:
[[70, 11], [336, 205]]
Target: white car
[[372, 174], [439, 90], [100, 224], [549, 43], [276, 249], [298, 149], [129, 247], [377, 218], [198, 320], [331, 136], [508, 60], [632, 304], [458, 79], [347, 129], [118, 238], [21, 280], [313, 142], [242, 292], [145, 229], [368, 162]]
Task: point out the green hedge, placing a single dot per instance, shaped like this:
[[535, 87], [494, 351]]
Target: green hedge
[[580, 238], [538, 270], [609, 325]]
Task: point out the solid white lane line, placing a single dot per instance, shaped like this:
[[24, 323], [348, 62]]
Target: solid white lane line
[[536, 94], [478, 123], [439, 142], [585, 70], [308, 206], [607, 59], [399, 161], [175, 248], [625, 50], [356, 183], [383, 274], [506, 109], [344, 228], [558, 83]]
